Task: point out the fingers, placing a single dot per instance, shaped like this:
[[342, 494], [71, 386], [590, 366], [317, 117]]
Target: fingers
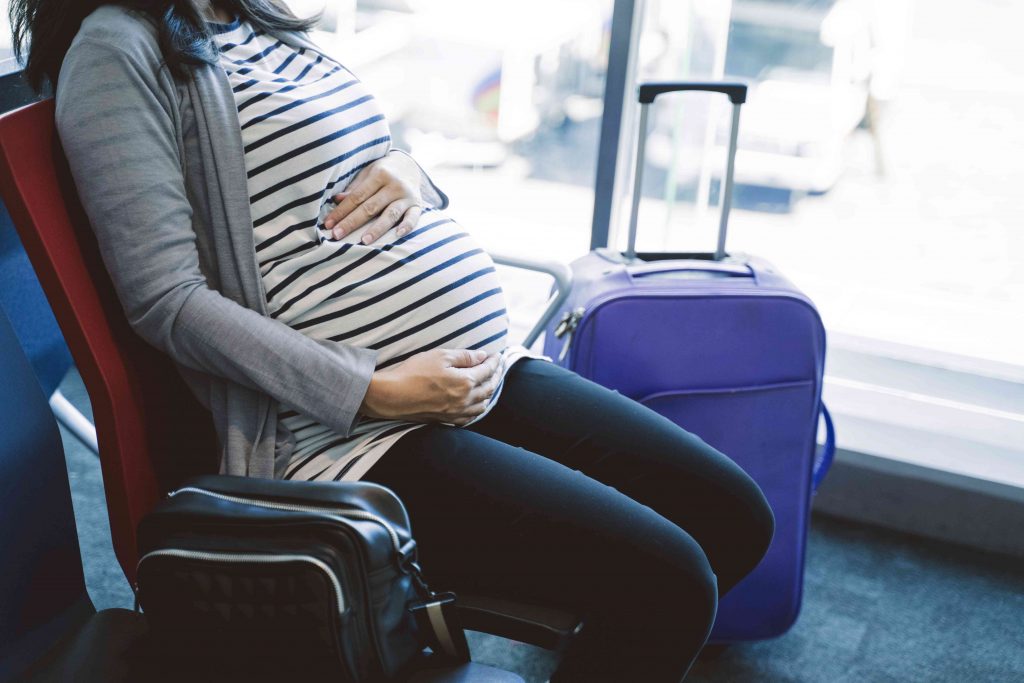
[[471, 413], [409, 221], [483, 372], [355, 217], [483, 392], [464, 381], [464, 358], [475, 373], [367, 183], [363, 186], [477, 380], [371, 193], [394, 216]]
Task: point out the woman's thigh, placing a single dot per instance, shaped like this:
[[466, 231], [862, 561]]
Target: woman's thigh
[[497, 519], [612, 439]]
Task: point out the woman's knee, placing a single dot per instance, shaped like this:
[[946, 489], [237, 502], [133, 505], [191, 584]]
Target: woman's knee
[[757, 517], [737, 497], [698, 598], [677, 575], [744, 532], [730, 516], [687, 605], [763, 521]]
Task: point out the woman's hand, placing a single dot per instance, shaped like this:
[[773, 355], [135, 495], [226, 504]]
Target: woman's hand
[[443, 385], [386, 194]]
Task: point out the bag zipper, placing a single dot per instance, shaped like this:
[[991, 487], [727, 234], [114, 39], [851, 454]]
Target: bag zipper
[[331, 512], [252, 558], [406, 562]]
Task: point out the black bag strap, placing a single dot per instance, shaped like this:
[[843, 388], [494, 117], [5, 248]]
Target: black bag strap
[[437, 617]]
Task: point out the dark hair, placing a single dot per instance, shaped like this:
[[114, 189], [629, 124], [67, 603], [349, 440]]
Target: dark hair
[[44, 29]]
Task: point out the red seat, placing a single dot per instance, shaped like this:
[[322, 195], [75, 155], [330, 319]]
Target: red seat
[[151, 430]]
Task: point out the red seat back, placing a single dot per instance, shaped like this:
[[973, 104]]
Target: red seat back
[[151, 431]]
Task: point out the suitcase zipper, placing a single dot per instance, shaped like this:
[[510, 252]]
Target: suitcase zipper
[[567, 327], [332, 512], [252, 558], [570, 321]]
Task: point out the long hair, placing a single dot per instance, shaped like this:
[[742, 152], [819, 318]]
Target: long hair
[[43, 30]]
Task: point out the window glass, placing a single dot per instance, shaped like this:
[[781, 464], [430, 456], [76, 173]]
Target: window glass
[[879, 169], [758, 50], [879, 163]]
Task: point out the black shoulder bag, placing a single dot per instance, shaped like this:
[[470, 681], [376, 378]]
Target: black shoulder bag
[[310, 576]]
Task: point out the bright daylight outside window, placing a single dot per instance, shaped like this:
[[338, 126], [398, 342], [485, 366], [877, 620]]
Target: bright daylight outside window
[[501, 102], [879, 169]]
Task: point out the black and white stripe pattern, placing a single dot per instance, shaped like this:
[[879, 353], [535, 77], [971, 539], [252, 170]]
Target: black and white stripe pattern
[[308, 127]]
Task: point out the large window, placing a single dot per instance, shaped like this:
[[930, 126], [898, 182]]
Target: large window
[[879, 168]]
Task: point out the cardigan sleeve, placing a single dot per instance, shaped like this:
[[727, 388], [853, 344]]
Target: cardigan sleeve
[[116, 123]]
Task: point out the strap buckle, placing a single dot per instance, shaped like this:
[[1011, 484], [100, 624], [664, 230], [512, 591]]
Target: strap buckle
[[438, 618]]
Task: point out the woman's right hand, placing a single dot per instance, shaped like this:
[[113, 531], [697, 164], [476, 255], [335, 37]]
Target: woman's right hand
[[443, 385]]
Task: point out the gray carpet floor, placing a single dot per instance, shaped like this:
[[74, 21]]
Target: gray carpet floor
[[878, 607]]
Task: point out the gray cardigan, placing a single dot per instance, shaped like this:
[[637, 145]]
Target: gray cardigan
[[160, 169]]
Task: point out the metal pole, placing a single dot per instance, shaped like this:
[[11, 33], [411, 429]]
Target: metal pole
[[727, 191], [73, 420], [638, 176]]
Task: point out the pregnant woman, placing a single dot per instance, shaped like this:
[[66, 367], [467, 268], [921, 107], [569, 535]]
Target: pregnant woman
[[339, 325]]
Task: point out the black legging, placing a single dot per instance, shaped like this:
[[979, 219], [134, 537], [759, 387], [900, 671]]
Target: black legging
[[571, 495]]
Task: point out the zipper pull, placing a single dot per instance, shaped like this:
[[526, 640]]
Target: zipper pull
[[566, 328], [560, 328]]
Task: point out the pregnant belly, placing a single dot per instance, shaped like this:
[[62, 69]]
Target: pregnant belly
[[433, 288]]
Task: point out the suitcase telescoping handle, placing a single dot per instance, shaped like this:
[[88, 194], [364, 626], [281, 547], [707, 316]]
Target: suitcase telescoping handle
[[646, 94]]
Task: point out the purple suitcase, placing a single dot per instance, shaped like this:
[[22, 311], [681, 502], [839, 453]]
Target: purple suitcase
[[730, 350]]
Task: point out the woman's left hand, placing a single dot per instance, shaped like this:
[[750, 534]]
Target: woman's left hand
[[385, 194]]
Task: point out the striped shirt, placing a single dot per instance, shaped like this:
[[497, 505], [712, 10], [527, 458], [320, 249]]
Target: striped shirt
[[308, 127]]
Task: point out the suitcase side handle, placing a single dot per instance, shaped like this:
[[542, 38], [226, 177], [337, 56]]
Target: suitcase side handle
[[646, 93], [823, 462], [737, 92]]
